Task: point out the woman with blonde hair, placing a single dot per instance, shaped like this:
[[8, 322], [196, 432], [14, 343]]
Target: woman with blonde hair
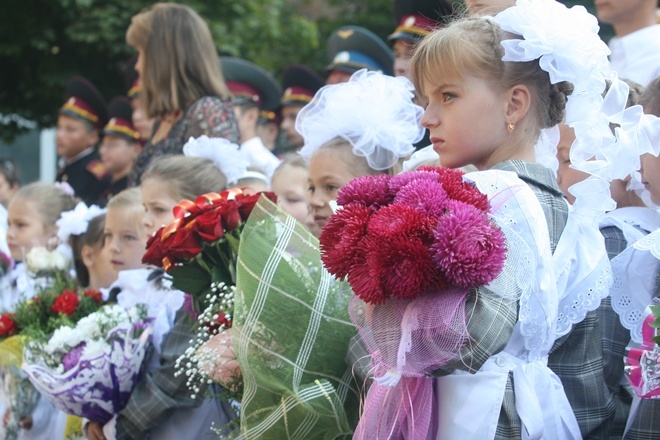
[[182, 84]]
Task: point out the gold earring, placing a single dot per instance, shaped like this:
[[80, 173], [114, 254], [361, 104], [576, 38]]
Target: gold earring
[[510, 126]]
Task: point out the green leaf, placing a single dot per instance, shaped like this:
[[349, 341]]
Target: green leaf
[[190, 279]]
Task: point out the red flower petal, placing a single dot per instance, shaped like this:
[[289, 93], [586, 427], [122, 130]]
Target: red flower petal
[[340, 237]]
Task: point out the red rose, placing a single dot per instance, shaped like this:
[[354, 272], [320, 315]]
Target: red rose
[[208, 226], [7, 325], [154, 254], [94, 294], [66, 303], [231, 217], [182, 244], [246, 203]]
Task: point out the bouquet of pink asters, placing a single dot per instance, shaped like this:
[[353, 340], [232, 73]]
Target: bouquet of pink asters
[[411, 246], [418, 232]]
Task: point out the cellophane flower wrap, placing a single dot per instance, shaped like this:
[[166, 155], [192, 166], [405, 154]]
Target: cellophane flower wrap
[[290, 332], [90, 369], [410, 246], [34, 319], [198, 251], [643, 363]]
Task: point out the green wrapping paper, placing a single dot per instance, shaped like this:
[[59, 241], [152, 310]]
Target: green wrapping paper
[[291, 332]]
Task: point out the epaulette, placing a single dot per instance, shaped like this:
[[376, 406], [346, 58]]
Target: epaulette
[[97, 169]]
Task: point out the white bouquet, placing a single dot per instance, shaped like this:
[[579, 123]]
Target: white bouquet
[[90, 370]]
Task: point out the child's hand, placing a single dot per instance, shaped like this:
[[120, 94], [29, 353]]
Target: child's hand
[[221, 347], [95, 431], [25, 423]]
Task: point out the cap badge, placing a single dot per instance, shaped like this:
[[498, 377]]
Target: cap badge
[[345, 33], [342, 57]]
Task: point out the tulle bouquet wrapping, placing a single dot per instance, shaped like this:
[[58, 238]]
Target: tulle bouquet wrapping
[[198, 250], [35, 319], [411, 246], [290, 335], [90, 369], [643, 363]]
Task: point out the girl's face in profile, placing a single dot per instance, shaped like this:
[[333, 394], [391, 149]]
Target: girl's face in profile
[[25, 228], [158, 204], [329, 170]]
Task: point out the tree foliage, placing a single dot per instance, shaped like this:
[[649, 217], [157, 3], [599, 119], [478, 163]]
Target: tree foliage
[[46, 42]]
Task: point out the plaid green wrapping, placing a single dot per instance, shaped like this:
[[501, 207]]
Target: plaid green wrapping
[[291, 329]]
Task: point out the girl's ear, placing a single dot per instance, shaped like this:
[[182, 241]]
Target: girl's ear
[[86, 255], [519, 101]]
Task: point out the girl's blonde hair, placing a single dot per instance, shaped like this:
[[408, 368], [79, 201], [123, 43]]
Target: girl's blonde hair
[[50, 201], [130, 200], [290, 160], [471, 46], [180, 62], [187, 177], [650, 99], [359, 164]]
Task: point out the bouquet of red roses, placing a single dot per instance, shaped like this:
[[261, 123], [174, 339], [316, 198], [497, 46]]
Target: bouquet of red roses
[[198, 250], [413, 233], [199, 247]]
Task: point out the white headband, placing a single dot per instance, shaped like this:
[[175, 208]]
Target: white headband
[[224, 154], [372, 111], [76, 221]]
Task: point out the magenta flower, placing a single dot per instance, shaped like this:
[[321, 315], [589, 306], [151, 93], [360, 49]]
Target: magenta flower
[[400, 180], [469, 248], [426, 196], [341, 236], [369, 191]]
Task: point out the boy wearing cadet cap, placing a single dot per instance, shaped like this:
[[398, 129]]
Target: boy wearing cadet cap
[[300, 85], [253, 89], [120, 147], [351, 48], [79, 123]]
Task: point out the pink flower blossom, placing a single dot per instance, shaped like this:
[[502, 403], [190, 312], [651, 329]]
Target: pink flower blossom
[[426, 196], [369, 191], [469, 249], [400, 180]]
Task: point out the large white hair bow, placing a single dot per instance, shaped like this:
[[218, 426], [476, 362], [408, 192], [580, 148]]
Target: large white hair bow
[[76, 221], [372, 111], [224, 154]]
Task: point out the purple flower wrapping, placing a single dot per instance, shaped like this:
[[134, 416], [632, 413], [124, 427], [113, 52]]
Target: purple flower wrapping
[[96, 386]]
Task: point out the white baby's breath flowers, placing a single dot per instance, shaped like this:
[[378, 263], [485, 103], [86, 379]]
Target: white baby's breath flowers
[[196, 362]]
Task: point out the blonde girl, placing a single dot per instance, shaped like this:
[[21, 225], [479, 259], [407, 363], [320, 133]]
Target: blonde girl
[[289, 183], [32, 214], [488, 97]]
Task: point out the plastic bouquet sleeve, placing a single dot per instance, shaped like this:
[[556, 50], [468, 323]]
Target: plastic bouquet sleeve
[[99, 382], [291, 332]]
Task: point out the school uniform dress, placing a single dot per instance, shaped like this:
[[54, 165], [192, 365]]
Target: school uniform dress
[[113, 189], [620, 228], [636, 272], [210, 116], [161, 406], [86, 175]]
